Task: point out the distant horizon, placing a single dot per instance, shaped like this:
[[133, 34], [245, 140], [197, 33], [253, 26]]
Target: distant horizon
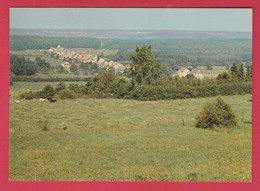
[[127, 29]]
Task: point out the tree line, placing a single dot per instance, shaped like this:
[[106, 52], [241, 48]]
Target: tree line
[[21, 66]]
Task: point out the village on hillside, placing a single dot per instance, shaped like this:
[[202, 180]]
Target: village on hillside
[[69, 57]]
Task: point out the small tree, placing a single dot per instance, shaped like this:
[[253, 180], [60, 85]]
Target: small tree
[[223, 76], [48, 92], [216, 115], [234, 71], [60, 86], [143, 69], [67, 94], [241, 72]]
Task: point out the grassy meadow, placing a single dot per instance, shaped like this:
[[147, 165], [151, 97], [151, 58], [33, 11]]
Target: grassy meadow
[[216, 70], [25, 86], [93, 51], [33, 53], [126, 140]]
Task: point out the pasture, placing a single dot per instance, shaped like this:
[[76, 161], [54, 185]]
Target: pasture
[[216, 70], [126, 140], [93, 51], [33, 53], [17, 86]]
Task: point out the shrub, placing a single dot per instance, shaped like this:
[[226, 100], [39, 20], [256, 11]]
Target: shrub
[[60, 86], [223, 76], [26, 95], [216, 115], [44, 124], [48, 92], [67, 94]]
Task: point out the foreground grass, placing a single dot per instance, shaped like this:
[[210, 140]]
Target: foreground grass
[[127, 140]]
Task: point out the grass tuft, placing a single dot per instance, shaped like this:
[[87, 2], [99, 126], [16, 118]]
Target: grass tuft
[[44, 124]]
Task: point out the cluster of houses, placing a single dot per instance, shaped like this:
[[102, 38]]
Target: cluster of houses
[[117, 66], [67, 54], [182, 72]]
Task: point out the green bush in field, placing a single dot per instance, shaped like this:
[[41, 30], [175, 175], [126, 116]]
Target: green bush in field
[[26, 95], [60, 86], [216, 115], [67, 94], [48, 92]]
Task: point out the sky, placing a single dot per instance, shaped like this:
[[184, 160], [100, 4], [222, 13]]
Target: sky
[[198, 19]]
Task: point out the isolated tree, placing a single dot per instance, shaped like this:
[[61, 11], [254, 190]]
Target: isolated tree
[[143, 69]]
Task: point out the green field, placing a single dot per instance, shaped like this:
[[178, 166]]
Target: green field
[[93, 51], [33, 53], [37, 85], [126, 140], [69, 75], [216, 70]]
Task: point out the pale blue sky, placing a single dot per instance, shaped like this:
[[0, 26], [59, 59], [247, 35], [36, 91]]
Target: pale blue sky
[[203, 19]]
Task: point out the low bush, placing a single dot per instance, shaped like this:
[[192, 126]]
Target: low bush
[[60, 86], [217, 115], [48, 92], [31, 95], [67, 94], [26, 95]]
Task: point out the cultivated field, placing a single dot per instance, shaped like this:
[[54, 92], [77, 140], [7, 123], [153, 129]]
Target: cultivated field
[[126, 140]]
